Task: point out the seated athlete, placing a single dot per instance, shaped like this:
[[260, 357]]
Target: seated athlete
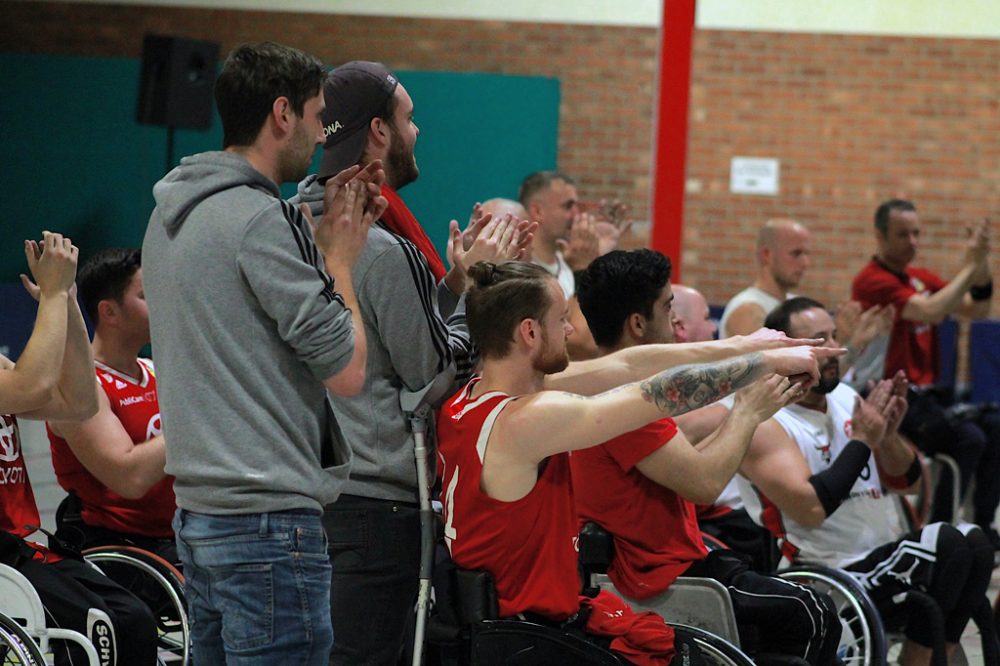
[[504, 439], [54, 379], [818, 470], [112, 464], [642, 486]]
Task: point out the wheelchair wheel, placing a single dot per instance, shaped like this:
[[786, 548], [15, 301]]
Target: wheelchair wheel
[[16, 647], [862, 642], [714, 650], [160, 585]]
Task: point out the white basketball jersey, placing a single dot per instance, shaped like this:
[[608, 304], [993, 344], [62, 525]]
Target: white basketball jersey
[[866, 519]]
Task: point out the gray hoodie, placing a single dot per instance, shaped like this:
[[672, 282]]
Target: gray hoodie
[[245, 326], [409, 346]]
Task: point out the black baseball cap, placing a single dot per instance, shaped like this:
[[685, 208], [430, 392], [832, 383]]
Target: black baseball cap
[[354, 93]]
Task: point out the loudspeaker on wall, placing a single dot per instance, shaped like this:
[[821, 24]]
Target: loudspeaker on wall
[[175, 86]]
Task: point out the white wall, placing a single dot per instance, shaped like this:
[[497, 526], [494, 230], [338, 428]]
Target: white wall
[[931, 18]]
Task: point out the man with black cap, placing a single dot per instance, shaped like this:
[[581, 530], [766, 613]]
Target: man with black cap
[[374, 528]]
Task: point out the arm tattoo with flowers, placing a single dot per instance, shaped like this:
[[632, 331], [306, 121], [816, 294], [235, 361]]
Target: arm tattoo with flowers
[[687, 387]]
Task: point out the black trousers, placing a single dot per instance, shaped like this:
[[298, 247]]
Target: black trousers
[[775, 616], [375, 554], [974, 443], [77, 597], [951, 565]]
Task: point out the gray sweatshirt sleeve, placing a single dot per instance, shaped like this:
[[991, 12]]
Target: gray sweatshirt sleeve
[[284, 269], [400, 289]]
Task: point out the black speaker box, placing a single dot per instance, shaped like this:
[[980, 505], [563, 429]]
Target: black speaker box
[[175, 87]]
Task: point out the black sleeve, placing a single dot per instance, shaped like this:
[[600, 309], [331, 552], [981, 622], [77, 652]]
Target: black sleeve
[[834, 483]]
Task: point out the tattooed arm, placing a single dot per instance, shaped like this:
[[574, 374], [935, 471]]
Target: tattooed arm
[[539, 425], [635, 363], [542, 424]]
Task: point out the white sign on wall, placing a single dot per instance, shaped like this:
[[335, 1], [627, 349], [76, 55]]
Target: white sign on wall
[[754, 175]]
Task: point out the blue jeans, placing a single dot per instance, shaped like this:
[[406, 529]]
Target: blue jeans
[[258, 587]]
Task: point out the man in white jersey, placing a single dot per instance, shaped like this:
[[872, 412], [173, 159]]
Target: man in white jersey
[[784, 248], [818, 469]]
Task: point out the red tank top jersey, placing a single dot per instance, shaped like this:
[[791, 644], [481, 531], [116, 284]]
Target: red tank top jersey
[[655, 530], [529, 545], [912, 344], [135, 404], [18, 510]]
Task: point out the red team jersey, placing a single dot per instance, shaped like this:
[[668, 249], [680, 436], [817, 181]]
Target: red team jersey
[[135, 404], [912, 344], [18, 510], [529, 545], [655, 530]]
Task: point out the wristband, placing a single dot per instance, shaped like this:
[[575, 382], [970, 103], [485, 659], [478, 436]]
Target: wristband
[[833, 484], [906, 479], [914, 471], [983, 292]]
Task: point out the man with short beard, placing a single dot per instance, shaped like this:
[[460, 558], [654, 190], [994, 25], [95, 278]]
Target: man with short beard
[[414, 320], [253, 320], [818, 469], [504, 439]]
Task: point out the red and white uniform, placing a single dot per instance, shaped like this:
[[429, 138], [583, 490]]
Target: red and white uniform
[[655, 530], [529, 545], [135, 404], [912, 344], [18, 510]]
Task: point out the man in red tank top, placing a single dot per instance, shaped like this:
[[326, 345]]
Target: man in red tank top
[[641, 486], [53, 380], [504, 439], [112, 464]]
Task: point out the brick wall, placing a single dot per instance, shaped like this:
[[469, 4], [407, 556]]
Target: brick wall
[[853, 119]]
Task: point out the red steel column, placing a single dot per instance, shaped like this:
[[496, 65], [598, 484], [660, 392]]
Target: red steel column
[[674, 93]]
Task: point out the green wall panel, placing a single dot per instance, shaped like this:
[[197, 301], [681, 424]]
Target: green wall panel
[[75, 160]]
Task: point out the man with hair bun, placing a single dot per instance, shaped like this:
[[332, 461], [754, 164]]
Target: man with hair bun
[[504, 438]]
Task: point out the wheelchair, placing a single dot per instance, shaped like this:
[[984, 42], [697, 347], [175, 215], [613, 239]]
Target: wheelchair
[[25, 638], [705, 603], [17, 648], [160, 585], [465, 630]]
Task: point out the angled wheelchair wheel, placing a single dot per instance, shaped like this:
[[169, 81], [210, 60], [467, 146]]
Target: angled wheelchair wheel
[[862, 642], [160, 585], [16, 647], [714, 650]]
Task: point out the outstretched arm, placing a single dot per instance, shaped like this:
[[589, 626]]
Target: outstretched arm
[[636, 363], [701, 474]]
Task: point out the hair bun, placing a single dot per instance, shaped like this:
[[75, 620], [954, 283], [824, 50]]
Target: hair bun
[[483, 273]]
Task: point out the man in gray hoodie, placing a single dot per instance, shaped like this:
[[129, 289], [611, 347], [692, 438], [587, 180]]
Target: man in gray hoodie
[[374, 528], [254, 320]]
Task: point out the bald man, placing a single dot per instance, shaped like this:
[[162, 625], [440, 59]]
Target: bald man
[[692, 320], [498, 207], [783, 255]]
